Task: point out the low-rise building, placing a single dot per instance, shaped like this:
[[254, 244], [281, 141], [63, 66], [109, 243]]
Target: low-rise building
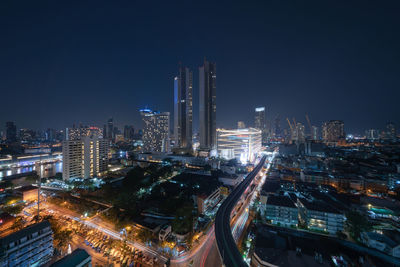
[[78, 258], [382, 243], [316, 215], [31, 246], [208, 201], [28, 193], [281, 210]]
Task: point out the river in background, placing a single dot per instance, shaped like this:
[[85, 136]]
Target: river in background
[[45, 170]]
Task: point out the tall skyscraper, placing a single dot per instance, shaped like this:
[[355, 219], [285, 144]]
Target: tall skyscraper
[[110, 129], [260, 122], [129, 132], [391, 131], [85, 157], [314, 133], [333, 131], [155, 131], [277, 127], [208, 105], [11, 132], [183, 108]]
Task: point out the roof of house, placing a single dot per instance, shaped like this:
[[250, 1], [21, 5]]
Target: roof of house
[[24, 232], [75, 258], [284, 201]]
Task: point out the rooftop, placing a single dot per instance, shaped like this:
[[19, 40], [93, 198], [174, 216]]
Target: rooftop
[[280, 201], [75, 258], [24, 232]]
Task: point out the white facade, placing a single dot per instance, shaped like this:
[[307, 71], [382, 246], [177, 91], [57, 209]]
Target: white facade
[[85, 158], [242, 144]]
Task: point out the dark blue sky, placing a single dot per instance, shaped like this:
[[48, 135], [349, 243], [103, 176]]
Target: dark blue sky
[[65, 61]]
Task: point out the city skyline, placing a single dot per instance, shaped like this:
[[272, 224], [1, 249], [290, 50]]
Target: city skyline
[[348, 58]]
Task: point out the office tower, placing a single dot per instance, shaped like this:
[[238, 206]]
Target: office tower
[[391, 131], [50, 134], [86, 157], [208, 105], [11, 132], [333, 131], [372, 134], [260, 122], [26, 135], [155, 131], [314, 133], [277, 127], [241, 125], [129, 132], [110, 129], [183, 108], [105, 131], [242, 144], [31, 246]]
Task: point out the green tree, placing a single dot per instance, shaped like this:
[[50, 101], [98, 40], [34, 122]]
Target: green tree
[[357, 224]]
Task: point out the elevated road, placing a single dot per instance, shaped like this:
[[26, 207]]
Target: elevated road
[[226, 244]]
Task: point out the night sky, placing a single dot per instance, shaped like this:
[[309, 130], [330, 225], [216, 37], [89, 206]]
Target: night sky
[[71, 62]]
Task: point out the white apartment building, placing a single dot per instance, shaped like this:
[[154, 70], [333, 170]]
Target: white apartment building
[[85, 158]]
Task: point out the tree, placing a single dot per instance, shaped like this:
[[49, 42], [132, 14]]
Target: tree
[[18, 224], [357, 224]]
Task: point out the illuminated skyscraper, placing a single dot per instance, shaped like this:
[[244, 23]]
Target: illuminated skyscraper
[[314, 133], [183, 108], [242, 144], [129, 132], [208, 105], [155, 131], [333, 131], [260, 122], [390, 131], [86, 157]]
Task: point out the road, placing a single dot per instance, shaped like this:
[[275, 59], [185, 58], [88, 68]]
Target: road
[[225, 240]]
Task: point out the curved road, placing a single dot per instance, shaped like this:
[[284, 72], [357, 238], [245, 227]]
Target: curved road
[[226, 244]]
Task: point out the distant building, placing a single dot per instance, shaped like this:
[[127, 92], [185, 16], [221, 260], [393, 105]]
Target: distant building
[[390, 131], [110, 129], [388, 244], [314, 133], [129, 132], [208, 105], [281, 210], [155, 131], [11, 132], [333, 131], [31, 246], [242, 144], [183, 108], [277, 127], [298, 133], [78, 258], [85, 158], [241, 125], [372, 134]]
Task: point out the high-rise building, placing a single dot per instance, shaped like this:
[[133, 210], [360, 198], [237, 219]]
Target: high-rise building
[[31, 246], [298, 133], [260, 122], [183, 108], [390, 131], [277, 127], [208, 105], [11, 132], [241, 125], [372, 134], [314, 133], [110, 129], [129, 132], [86, 157], [242, 144], [155, 131], [333, 131]]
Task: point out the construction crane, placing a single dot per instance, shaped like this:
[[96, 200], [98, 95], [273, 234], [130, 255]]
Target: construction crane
[[290, 125]]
